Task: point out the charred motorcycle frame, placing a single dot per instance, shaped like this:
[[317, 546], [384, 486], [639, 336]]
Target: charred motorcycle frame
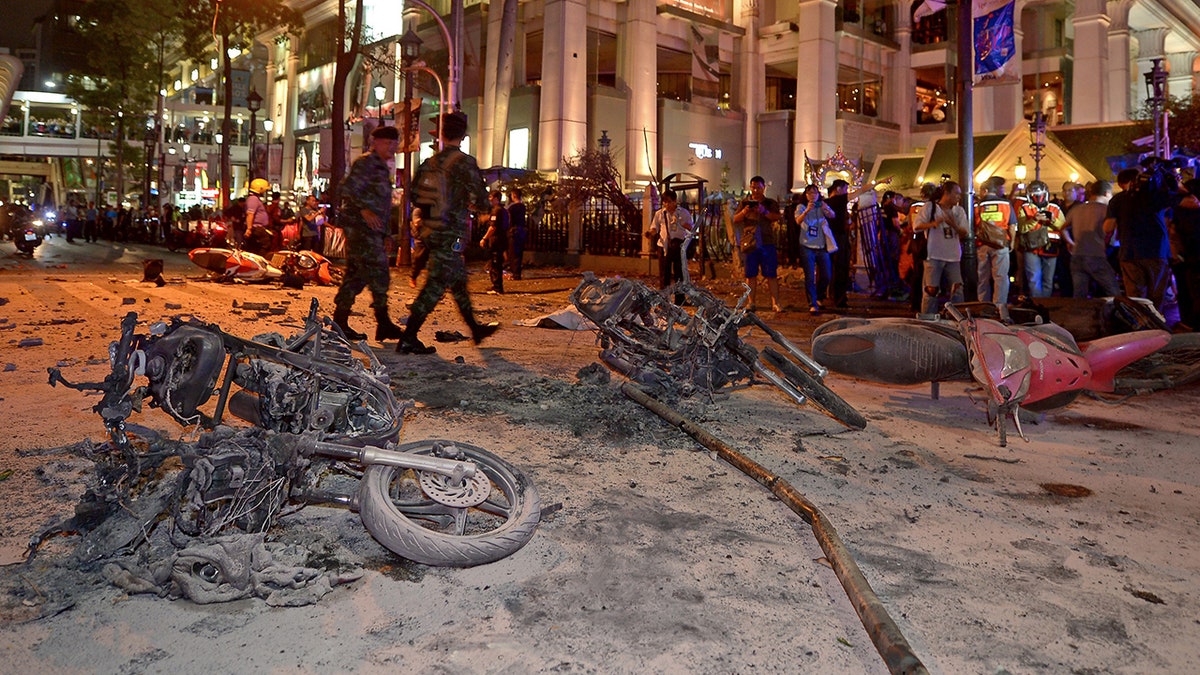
[[325, 422]]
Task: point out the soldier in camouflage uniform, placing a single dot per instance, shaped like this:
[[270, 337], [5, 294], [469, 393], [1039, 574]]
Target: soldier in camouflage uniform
[[447, 234], [366, 205]]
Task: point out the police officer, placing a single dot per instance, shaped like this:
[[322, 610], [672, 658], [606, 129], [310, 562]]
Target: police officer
[[448, 231], [366, 205]]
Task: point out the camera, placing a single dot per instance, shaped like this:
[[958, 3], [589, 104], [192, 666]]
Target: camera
[[1158, 175]]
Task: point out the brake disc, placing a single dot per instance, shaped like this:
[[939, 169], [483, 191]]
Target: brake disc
[[441, 489]]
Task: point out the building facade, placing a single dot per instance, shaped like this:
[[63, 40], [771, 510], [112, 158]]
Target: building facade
[[727, 89]]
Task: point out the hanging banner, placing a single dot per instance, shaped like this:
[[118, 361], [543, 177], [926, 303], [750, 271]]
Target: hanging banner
[[408, 118], [706, 65], [995, 44]]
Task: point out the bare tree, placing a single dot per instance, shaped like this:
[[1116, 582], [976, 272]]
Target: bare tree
[[219, 26], [589, 174]]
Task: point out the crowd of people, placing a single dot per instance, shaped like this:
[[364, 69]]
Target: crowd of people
[[1144, 241]]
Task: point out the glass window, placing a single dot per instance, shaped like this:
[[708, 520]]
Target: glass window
[[51, 121], [1044, 92], [781, 93], [858, 92], [931, 96], [930, 29], [518, 148], [12, 122]]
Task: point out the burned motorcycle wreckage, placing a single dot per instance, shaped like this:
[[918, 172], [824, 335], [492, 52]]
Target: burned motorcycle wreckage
[[668, 349], [325, 422]]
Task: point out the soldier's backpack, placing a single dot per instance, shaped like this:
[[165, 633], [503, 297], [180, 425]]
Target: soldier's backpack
[[432, 189]]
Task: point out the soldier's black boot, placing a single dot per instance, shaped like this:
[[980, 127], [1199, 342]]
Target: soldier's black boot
[[384, 328], [409, 344], [480, 332], [341, 317]]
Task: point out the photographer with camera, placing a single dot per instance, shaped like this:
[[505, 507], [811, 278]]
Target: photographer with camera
[[1139, 216], [754, 226], [1039, 226]]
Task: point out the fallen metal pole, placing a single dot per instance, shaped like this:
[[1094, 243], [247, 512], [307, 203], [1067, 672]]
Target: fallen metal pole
[[885, 634]]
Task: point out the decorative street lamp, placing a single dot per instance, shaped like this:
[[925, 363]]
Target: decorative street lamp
[[380, 90], [1019, 169], [1156, 96], [1037, 142], [254, 104]]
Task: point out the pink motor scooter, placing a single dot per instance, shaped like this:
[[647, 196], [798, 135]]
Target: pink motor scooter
[[1041, 367]]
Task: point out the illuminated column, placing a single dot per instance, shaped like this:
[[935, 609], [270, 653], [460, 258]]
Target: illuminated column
[[1180, 82], [639, 74], [1120, 79], [287, 130], [816, 83], [563, 111], [487, 122], [752, 84], [1089, 76]]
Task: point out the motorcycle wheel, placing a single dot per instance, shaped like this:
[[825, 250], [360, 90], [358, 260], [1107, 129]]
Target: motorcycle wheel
[[1172, 366], [399, 513], [818, 394]]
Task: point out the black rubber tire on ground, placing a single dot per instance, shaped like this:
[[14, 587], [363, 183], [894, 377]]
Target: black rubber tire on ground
[[405, 524], [1172, 366], [818, 394]]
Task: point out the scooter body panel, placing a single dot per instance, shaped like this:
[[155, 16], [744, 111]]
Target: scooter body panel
[[1108, 355]]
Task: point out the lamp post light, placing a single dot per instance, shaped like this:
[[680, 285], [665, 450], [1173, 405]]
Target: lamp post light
[[380, 91], [1019, 170], [1156, 96], [1037, 142], [268, 125], [253, 104]]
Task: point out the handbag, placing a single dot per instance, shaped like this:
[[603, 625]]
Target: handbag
[[831, 244], [992, 236], [749, 239], [1034, 239]]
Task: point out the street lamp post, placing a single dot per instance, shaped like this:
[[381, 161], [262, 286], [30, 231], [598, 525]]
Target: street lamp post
[[410, 51], [268, 125], [254, 104], [1037, 142], [1156, 95]]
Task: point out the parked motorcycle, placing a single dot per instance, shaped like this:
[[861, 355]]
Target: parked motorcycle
[[324, 423], [660, 344], [1038, 367], [27, 239]]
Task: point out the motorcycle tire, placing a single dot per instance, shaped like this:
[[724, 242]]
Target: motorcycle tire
[[818, 394], [398, 513]]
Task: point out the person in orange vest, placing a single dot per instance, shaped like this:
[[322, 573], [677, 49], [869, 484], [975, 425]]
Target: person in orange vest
[[1040, 225], [995, 229]]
